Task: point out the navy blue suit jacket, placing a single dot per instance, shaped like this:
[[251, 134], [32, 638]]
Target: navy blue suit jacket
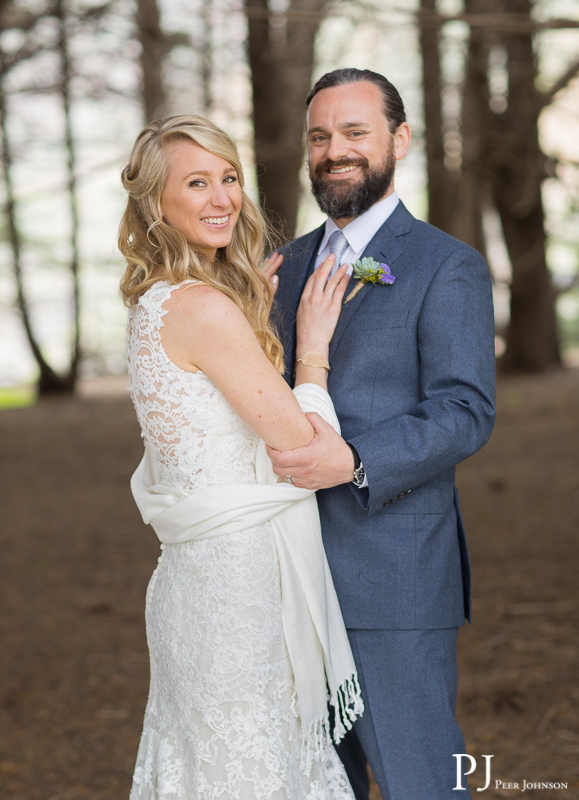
[[412, 381]]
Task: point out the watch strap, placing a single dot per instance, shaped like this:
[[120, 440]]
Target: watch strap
[[357, 459]]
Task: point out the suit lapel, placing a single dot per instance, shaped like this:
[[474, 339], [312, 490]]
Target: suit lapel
[[300, 263], [386, 246]]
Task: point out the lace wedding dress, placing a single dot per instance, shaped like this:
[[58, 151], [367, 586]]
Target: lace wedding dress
[[221, 719]]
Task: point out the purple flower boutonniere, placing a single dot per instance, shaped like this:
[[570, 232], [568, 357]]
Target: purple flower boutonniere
[[369, 271]]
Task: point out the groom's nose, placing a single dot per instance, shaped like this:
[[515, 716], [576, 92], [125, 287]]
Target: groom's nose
[[338, 147]]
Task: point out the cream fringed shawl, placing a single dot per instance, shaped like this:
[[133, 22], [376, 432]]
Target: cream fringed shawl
[[314, 630]]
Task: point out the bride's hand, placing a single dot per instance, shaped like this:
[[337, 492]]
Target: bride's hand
[[320, 307], [270, 266]]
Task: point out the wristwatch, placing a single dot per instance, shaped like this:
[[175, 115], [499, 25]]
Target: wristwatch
[[359, 471]]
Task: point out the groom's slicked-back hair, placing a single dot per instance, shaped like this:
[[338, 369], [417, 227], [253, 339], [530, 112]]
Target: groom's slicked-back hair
[[393, 105]]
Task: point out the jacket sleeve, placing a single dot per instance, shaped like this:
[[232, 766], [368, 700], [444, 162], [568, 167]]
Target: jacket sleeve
[[455, 414]]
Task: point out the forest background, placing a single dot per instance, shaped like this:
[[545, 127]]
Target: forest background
[[492, 94]]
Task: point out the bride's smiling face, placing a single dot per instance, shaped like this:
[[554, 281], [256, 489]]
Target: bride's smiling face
[[202, 198]]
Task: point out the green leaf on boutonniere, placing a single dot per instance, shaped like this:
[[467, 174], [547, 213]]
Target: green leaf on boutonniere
[[369, 271]]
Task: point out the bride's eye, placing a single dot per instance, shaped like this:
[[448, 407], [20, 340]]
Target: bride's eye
[[196, 182], [230, 179]]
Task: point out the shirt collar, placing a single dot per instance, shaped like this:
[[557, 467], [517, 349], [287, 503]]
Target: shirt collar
[[363, 228]]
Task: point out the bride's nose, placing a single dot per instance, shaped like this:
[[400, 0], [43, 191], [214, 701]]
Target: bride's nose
[[220, 198]]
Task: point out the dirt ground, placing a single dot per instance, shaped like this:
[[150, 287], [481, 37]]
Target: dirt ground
[[76, 559]]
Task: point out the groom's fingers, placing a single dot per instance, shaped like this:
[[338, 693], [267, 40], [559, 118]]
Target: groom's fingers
[[286, 461]]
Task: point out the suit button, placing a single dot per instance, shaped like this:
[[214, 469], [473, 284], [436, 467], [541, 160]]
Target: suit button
[[387, 503], [408, 491], [394, 499]]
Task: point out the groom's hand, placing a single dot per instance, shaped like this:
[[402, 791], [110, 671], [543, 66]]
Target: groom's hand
[[326, 461]]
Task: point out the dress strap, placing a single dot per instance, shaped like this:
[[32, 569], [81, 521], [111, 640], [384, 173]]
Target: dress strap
[[156, 296]]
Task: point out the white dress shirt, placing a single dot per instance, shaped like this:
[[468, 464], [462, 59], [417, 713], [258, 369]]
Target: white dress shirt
[[359, 232]]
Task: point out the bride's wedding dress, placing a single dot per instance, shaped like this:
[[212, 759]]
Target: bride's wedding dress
[[221, 719]]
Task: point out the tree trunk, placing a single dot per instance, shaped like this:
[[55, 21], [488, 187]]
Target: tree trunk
[[472, 187], [65, 80], [532, 338], [281, 56], [501, 165], [438, 178], [49, 381], [205, 48], [456, 191], [154, 48]]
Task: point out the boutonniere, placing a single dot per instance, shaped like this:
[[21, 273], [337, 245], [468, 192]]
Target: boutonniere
[[369, 271]]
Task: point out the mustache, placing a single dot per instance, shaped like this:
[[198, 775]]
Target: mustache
[[328, 164]]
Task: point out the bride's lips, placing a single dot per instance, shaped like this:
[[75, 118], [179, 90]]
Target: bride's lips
[[221, 221]]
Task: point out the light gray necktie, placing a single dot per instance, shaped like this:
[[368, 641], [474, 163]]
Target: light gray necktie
[[338, 246]]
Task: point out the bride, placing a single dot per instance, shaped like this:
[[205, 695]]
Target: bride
[[245, 637]]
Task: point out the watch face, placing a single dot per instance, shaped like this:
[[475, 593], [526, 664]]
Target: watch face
[[359, 475]]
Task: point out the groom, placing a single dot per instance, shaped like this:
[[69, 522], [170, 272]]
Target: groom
[[412, 380]]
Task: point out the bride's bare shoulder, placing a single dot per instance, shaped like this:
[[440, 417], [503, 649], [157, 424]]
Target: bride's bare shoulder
[[201, 308]]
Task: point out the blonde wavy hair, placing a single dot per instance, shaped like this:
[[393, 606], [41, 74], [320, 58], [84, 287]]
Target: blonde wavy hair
[[155, 251]]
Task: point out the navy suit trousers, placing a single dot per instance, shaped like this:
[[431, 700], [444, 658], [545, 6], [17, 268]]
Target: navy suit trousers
[[408, 732]]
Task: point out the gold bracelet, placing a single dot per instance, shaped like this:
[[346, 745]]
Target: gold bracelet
[[314, 359]]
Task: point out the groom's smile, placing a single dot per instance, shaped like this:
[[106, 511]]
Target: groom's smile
[[343, 171]]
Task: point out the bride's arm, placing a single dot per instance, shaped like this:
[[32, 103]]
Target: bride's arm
[[204, 330]]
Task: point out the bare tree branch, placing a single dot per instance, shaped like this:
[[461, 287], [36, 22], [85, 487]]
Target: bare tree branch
[[65, 72], [562, 83], [501, 22], [47, 374]]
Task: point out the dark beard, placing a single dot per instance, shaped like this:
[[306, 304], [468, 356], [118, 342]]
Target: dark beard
[[342, 199]]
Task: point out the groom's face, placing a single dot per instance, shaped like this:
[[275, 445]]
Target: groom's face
[[351, 150]]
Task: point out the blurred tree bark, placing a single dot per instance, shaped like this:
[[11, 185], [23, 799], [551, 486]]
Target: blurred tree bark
[[50, 382], [154, 48], [205, 49], [281, 58], [471, 192], [68, 383], [518, 172], [48, 377], [439, 182], [500, 165]]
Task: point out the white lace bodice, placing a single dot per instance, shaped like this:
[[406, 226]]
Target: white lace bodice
[[181, 412]]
